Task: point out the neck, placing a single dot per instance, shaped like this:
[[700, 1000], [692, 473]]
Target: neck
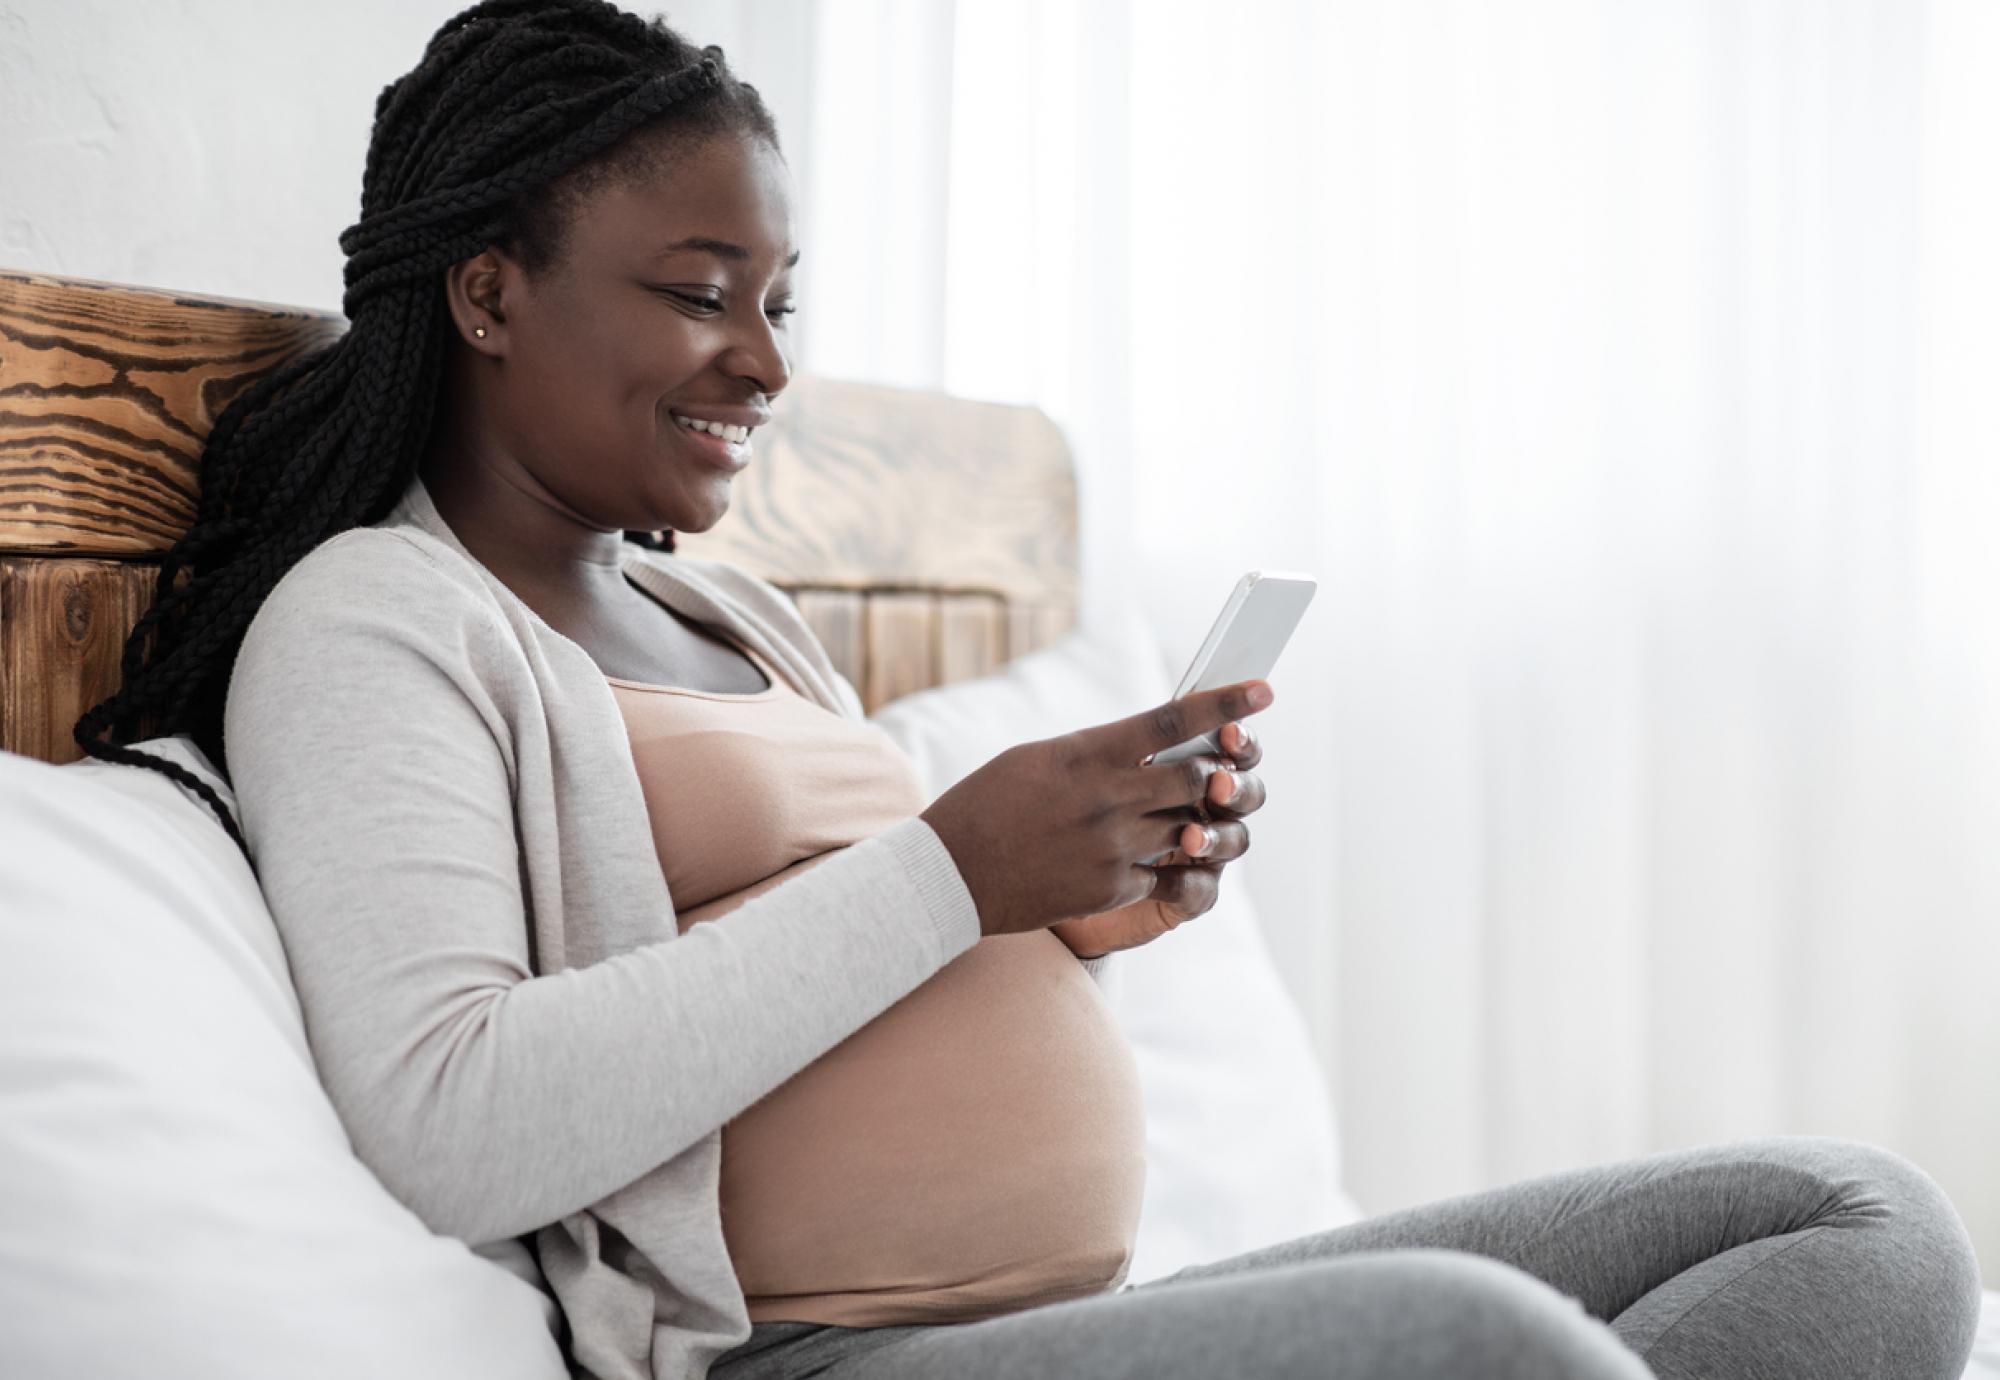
[[514, 526]]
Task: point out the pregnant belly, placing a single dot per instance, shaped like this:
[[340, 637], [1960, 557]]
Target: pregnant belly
[[977, 1148]]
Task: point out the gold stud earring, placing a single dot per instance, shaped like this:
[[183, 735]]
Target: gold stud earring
[[479, 331]]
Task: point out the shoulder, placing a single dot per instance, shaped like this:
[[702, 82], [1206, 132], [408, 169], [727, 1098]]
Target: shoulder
[[371, 634], [381, 571], [371, 558], [386, 586]]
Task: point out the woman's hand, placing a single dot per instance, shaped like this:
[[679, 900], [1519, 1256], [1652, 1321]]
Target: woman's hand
[[1191, 875], [1082, 824]]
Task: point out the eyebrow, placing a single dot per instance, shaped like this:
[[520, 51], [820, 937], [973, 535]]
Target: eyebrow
[[722, 249]]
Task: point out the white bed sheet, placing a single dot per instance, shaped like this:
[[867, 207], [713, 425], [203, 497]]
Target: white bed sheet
[[1986, 1347]]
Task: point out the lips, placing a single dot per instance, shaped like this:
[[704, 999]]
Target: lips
[[728, 431], [718, 451], [712, 414]]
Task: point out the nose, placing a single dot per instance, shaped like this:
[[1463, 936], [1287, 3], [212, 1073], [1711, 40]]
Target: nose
[[757, 354]]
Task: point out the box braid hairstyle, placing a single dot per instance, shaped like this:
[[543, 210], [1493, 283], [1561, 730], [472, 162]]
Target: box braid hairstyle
[[518, 109]]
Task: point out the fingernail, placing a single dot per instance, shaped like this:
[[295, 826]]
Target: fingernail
[[1260, 695], [1207, 842], [1232, 787]]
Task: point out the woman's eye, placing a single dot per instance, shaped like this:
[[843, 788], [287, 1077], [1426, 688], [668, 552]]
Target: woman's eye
[[705, 303], [715, 304]]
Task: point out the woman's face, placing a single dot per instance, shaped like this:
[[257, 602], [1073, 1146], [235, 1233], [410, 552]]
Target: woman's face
[[669, 301]]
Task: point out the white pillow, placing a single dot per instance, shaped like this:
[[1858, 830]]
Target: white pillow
[[1240, 1141], [180, 1198]]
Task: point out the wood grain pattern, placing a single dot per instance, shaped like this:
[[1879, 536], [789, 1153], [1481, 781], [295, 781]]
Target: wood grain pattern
[[901, 633], [836, 618], [63, 625], [972, 636], [867, 487], [1031, 626], [106, 396]]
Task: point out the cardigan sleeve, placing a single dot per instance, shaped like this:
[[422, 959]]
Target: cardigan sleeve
[[375, 775]]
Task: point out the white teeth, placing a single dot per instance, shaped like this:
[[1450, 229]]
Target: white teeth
[[722, 429]]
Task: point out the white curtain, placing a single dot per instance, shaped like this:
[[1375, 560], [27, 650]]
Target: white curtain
[[1627, 373]]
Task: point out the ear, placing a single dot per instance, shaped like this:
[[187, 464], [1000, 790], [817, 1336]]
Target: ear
[[477, 291]]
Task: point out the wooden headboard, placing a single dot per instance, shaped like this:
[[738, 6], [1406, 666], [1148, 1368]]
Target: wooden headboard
[[925, 538]]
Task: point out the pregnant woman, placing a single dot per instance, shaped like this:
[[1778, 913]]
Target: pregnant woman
[[629, 950]]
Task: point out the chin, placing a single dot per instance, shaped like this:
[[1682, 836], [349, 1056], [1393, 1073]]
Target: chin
[[689, 507], [700, 522]]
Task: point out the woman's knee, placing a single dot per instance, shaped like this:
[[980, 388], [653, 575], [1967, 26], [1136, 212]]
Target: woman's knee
[[1920, 1267], [1935, 1253], [1871, 1185]]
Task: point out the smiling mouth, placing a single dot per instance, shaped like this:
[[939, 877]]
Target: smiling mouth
[[723, 446], [736, 434]]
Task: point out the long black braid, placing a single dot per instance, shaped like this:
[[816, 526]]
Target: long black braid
[[518, 109]]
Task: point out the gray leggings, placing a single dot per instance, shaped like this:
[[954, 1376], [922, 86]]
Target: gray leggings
[[1791, 1256]]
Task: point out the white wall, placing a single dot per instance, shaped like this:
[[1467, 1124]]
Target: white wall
[[217, 146]]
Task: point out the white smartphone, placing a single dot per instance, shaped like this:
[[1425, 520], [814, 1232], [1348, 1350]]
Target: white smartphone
[[1255, 624]]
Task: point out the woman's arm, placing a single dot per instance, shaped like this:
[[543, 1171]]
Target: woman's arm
[[371, 768]]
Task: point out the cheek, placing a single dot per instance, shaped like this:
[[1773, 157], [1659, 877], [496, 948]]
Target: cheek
[[630, 360], [590, 394]]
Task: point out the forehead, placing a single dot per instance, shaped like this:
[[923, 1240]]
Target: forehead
[[730, 189]]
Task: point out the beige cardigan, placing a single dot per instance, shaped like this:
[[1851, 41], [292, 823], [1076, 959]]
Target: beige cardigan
[[447, 823]]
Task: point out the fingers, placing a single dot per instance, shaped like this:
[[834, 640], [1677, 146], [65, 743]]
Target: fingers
[[1215, 841], [1185, 892], [1220, 840], [1242, 745], [1235, 792], [1167, 785], [1206, 782], [1168, 725]]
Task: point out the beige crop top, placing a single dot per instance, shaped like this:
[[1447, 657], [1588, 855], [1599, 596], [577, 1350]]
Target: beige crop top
[[976, 1149]]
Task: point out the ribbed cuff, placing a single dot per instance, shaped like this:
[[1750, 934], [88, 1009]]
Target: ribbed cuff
[[936, 877], [1096, 966]]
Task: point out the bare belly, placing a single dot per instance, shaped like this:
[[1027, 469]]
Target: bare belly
[[977, 1148]]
